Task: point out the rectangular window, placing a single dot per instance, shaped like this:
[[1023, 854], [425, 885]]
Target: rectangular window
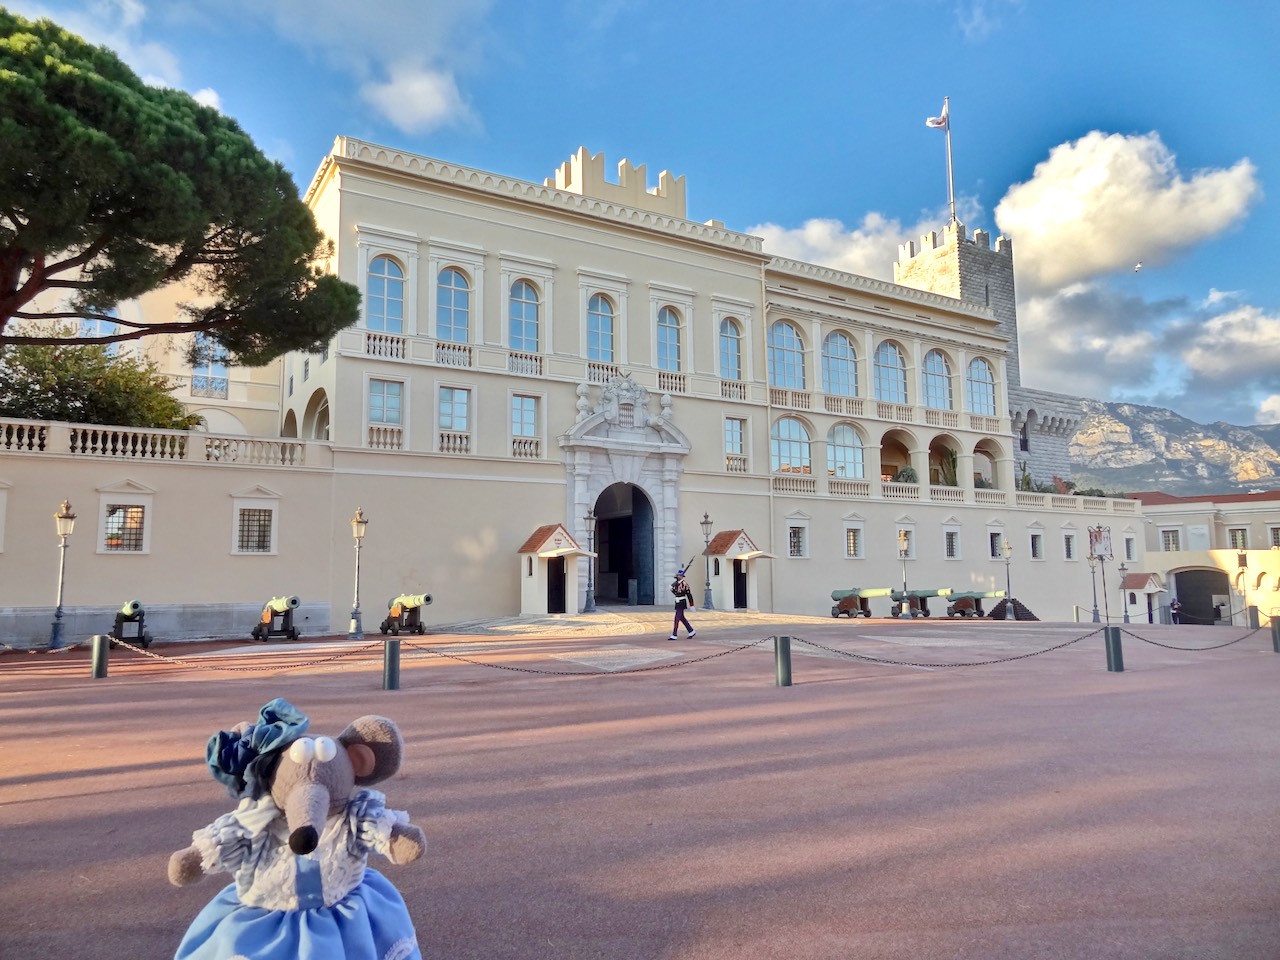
[[526, 439], [906, 543], [1170, 540], [124, 527], [209, 373], [995, 543], [1130, 548], [735, 445], [1068, 546], [853, 543], [253, 530], [306, 369], [454, 405], [795, 541], [1037, 547], [1275, 536], [1239, 537], [952, 544], [385, 401]]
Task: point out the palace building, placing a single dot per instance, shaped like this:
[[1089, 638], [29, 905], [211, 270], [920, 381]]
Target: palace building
[[562, 385]]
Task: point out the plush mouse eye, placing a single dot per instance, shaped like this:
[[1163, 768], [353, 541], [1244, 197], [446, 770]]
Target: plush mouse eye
[[326, 749], [302, 750]]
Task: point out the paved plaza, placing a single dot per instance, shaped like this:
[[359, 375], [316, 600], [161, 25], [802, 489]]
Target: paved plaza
[[924, 789]]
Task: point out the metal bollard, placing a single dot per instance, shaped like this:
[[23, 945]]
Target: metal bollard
[[782, 660], [390, 664], [1275, 634], [101, 644], [1115, 654], [1251, 617]]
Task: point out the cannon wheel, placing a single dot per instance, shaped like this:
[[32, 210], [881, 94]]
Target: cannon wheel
[[835, 613], [293, 633], [421, 629], [383, 628]]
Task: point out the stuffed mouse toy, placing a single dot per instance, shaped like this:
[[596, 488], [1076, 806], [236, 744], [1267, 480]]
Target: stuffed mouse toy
[[298, 844]]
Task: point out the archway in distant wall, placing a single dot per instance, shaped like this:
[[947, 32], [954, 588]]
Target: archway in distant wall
[[1205, 594], [290, 428], [624, 541], [623, 461], [315, 421]]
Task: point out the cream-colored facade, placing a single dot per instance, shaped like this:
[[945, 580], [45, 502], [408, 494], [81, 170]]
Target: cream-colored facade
[[1216, 551], [577, 353]]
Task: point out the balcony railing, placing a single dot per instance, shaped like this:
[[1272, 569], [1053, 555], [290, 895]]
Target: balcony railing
[[669, 382], [387, 345], [454, 354], [900, 491], [23, 436], [845, 406], [849, 488], [984, 495], [897, 412], [941, 418], [735, 463], [454, 441], [984, 424], [781, 397], [527, 364], [807, 486], [526, 448], [600, 372], [944, 494], [733, 390], [382, 437]]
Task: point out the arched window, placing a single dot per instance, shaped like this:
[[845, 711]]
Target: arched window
[[844, 452], [453, 306], [730, 350], [524, 317], [786, 356], [937, 381], [789, 447], [981, 385], [890, 374], [384, 296], [839, 366], [600, 329], [668, 339]]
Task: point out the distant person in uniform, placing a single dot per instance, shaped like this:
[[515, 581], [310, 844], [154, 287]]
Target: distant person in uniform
[[684, 599], [1175, 610]]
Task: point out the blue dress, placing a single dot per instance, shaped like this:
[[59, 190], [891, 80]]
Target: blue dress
[[326, 905]]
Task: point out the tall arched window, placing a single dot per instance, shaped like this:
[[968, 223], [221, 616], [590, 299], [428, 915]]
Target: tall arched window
[[839, 366], [730, 350], [453, 306], [981, 385], [786, 356], [384, 296], [937, 381], [600, 329], [668, 339], [789, 447], [890, 374], [524, 317], [844, 452]]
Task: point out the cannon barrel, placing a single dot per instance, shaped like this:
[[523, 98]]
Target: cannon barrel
[[867, 592], [132, 608], [281, 604], [409, 600]]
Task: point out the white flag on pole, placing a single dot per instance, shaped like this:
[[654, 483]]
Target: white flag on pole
[[942, 121]]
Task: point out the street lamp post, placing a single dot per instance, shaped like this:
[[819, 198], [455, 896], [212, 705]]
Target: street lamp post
[[358, 527], [589, 605], [1007, 550], [1124, 591], [706, 524], [66, 522], [1093, 578], [904, 548]]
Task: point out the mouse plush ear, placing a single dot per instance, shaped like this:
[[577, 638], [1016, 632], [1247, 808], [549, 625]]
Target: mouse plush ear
[[375, 747]]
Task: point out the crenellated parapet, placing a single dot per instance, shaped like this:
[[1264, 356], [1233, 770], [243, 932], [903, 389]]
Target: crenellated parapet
[[584, 174], [952, 235]]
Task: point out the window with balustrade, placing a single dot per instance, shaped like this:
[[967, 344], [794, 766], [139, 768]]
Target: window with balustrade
[[980, 382], [936, 381], [384, 296], [844, 453], [839, 365], [735, 445], [600, 329], [385, 405], [523, 319], [453, 306], [730, 349], [789, 447], [669, 340], [526, 428], [890, 368], [209, 373], [785, 355]]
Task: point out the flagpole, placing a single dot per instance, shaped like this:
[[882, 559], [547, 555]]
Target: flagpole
[[951, 183]]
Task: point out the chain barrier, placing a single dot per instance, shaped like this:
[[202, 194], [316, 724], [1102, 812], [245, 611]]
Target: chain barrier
[[582, 673], [940, 666], [64, 648], [191, 662], [1169, 646]]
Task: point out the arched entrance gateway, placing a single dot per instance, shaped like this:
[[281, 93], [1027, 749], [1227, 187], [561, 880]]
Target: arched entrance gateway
[[624, 461]]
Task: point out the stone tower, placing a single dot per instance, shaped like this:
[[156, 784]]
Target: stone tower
[[970, 270]]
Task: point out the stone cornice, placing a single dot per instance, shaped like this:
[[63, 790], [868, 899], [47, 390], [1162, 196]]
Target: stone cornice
[[437, 171], [838, 278]]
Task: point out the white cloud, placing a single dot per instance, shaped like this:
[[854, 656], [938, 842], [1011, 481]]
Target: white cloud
[[209, 98], [1106, 201], [417, 100], [1235, 347], [1269, 410]]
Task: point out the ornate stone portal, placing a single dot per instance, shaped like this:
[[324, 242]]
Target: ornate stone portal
[[618, 438]]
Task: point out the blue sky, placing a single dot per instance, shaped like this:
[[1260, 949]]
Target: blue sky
[[1095, 133]]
